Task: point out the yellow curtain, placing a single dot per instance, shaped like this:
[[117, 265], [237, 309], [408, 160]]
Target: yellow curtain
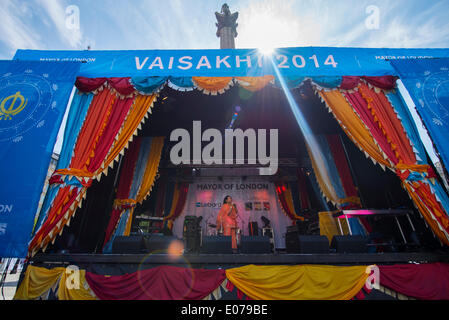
[[352, 125], [303, 282], [81, 293], [254, 83], [329, 225], [212, 85], [38, 281]]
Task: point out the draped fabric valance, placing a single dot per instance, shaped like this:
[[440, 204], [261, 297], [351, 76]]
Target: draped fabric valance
[[419, 281], [127, 86]]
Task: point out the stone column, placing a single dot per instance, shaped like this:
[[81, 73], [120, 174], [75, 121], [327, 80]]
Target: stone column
[[226, 27]]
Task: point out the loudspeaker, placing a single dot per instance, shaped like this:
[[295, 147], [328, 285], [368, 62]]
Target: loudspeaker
[[217, 244], [192, 243], [159, 244], [349, 244], [253, 228], [306, 244], [255, 244], [128, 244]]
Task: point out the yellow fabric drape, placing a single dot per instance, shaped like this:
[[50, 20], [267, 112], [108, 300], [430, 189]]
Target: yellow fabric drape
[[81, 293], [136, 114], [151, 169], [352, 125], [212, 85], [38, 281], [303, 282], [329, 225], [254, 83]]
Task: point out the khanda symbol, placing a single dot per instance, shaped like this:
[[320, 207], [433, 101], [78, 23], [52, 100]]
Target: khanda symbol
[[6, 112]]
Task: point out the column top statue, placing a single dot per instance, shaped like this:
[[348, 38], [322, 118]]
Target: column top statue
[[226, 19]]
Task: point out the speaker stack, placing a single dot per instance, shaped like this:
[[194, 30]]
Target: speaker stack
[[191, 234], [255, 244], [217, 245], [129, 245], [349, 244], [296, 243], [159, 244]]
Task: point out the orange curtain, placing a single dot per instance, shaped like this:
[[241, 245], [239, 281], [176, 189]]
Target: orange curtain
[[212, 85], [254, 83]]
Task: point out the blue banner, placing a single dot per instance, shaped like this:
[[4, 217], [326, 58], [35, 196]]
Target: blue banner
[[292, 62], [427, 81], [33, 99]]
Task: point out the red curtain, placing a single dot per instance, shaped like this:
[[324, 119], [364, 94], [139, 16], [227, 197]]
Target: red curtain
[[360, 105], [126, 178], [183, 190], [118, 113], [160, 283], [121, 85], [384, 82], [420, 281]]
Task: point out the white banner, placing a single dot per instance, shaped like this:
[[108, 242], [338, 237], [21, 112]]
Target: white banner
[[254, 197]]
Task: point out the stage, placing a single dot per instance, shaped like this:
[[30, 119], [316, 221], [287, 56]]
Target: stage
[[234, 260]]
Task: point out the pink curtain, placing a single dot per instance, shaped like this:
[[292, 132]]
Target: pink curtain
[[160, 283], [420, 281]]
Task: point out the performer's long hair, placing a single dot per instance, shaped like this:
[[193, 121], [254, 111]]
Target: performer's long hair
[[225, 198]]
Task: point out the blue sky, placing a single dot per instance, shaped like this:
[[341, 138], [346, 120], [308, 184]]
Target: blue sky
[[188, 24]]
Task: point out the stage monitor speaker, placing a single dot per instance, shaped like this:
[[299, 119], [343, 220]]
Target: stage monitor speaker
[[306, 244], [255, 244], [349, 244], [217, 244], [159, 244], [128, 245]]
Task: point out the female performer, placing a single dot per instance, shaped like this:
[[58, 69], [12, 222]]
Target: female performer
[[227, 220]]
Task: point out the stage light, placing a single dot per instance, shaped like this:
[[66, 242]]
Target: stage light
[[266, 221]]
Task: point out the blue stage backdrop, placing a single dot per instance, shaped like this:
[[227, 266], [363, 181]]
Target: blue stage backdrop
[[33, 99], [291, 62], [427, 81]]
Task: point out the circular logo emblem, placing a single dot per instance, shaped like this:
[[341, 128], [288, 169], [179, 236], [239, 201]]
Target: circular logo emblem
[[24, 101], [434, 91]]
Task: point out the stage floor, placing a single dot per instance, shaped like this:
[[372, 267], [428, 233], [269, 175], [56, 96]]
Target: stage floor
[[200, 260]]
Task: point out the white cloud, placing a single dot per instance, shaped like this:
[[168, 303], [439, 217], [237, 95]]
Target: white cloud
[[15, 33], [56, 12]]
